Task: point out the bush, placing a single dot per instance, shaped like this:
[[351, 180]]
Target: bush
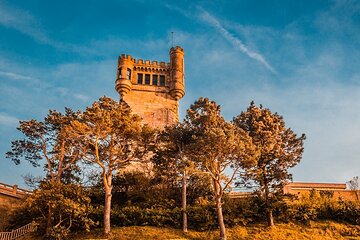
[[348, 212], [321, 207], [201, 217], [64, 207]]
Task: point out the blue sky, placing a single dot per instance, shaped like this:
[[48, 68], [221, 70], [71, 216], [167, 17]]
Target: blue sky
[[298, 58]]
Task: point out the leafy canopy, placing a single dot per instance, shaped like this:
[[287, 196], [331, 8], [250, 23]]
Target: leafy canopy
[[47, 140], [279, 147]]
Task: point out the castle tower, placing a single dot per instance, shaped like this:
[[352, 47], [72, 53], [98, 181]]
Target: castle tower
[[152, 89]]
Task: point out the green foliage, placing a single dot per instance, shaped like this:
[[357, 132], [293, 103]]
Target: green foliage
[[279, 149], [348, 212], [199, 188], [68, 204], [216, 146], [47, 141], [202, 217], [112, 137], [317, 206], [138, 189]]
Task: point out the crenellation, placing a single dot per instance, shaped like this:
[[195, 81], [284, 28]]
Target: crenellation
[[177, 48]]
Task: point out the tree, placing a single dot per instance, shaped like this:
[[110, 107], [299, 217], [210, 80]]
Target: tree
[[46, 140], [70, 209], [217, 145], [279, 149], [171, 159], [112, 138], [354, 185]]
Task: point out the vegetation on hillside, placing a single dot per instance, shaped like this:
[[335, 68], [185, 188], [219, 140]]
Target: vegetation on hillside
[[314, 230], [187, 186]]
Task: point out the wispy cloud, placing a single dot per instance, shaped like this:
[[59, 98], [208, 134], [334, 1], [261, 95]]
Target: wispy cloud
[[82, 97], [16, 76], [23, 22], [8, 120], [179, 10], [27, 24], [212, 21], [209, 19]]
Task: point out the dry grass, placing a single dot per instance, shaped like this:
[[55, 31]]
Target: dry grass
[[315, 230]]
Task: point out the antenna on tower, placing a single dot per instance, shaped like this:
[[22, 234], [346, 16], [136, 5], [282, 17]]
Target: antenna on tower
[[172, 39]]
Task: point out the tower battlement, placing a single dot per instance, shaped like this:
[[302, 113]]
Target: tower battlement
[[142, 62], [152, 88]]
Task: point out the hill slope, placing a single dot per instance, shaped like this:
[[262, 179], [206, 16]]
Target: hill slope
[[315, 231]]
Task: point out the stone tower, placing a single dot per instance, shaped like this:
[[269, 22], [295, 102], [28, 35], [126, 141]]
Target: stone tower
[[152, 89]]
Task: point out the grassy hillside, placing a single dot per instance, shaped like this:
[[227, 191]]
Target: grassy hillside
[[315, 231]]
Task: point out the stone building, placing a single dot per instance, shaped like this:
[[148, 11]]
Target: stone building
[[152, 89], [338, 191]]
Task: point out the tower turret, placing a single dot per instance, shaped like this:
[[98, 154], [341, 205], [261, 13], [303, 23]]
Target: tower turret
[[177, 72], [124, 74], [152, 89]]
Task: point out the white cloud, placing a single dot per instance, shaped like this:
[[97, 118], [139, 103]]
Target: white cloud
[[27, 24], [8, 120], [16, 76], [82, 97], [340, 20], [23, 22]]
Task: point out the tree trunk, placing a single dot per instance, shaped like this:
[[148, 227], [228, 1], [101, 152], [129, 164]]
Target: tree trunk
[[218, 195], [48, 221], [220, 218], [184, 214], [270, 218], [107, 211]]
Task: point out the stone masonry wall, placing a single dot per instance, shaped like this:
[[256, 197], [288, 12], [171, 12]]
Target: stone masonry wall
[[156, 108]]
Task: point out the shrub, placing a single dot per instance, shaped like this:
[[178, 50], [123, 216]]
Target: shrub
[[64, 207], [321, 207]]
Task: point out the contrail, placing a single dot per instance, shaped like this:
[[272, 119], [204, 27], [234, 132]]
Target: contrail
[[211, 20]]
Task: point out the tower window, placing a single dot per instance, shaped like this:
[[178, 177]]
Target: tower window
[[147, 79], [128, 73], [140, 78], [155, 80], [162, 80], [119, 73]]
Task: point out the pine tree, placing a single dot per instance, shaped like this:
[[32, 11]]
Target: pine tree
[[217, 145], [279, 149], [112, 138]]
